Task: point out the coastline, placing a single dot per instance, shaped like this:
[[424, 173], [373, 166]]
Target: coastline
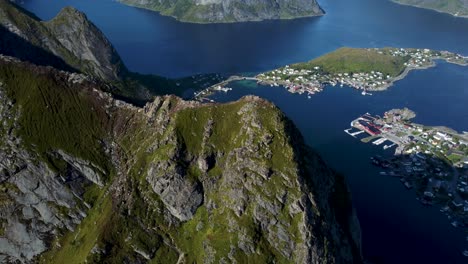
[[160, 12], [433, 9], [331, 78], [317, 85], [409, 69]]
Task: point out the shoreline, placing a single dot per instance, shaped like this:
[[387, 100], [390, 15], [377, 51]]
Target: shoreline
[[429, 8], [317, 85], [160, 12], [424, 160], [432, 9], [331, 78]]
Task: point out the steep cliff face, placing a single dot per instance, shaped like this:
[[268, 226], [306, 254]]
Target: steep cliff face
[[85, 177], [70, 36], [212, 11]]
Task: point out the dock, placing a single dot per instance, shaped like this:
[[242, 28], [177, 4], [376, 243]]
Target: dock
[[389, 146], [353, 134], [379, 141]]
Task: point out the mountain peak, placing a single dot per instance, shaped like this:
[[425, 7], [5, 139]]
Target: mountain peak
[[69, 36], [70, 12], [133, 184]]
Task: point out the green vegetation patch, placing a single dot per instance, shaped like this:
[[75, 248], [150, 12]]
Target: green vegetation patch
[[352, 60], [191, 123], [55, 116]]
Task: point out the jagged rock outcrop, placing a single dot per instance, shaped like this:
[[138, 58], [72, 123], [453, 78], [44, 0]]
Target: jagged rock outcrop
[[215, 11], [172, 182], [70, 36], [182, 196], [35, 202]]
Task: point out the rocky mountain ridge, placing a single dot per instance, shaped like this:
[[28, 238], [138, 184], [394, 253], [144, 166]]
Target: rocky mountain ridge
[[71, 42], [69, 36], [175, 181], [223, 11]]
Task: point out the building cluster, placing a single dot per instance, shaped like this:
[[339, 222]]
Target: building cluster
[[433, 161], [311, 80]]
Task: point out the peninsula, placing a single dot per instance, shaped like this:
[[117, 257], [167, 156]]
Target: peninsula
[[373, 69], [454, 7], [228, 11]]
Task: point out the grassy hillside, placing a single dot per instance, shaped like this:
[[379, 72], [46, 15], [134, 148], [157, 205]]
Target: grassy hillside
[[352, 60], [244, 162], [55, 115]]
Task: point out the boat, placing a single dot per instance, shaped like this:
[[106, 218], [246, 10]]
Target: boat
[[465, 253], [308, 97]]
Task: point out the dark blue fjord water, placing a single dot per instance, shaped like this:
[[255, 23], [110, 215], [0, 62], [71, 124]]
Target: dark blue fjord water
[[396, 228], [150, 43]]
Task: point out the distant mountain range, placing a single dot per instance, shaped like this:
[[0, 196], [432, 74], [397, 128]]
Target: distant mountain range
[[454, 7], [222, 11]]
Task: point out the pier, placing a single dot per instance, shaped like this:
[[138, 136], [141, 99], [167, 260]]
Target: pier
[[379, 141], [389, 146], [354, 134]]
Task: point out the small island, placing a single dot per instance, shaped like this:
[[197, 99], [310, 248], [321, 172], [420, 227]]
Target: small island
[[373, 69], [432, 160]]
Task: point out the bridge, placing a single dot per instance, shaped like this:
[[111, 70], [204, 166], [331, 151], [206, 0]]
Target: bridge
[[233, 78]]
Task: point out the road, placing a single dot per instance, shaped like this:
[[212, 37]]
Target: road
[[233, 78]]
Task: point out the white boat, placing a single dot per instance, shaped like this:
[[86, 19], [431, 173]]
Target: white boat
[[465, 253], [365, 93]]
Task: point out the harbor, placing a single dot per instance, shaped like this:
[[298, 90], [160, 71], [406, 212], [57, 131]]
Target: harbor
[[378, 132], [432, 161]]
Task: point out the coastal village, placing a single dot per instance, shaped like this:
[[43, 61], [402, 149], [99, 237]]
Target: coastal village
[[311, 77], [431, 160], [308, 78]]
